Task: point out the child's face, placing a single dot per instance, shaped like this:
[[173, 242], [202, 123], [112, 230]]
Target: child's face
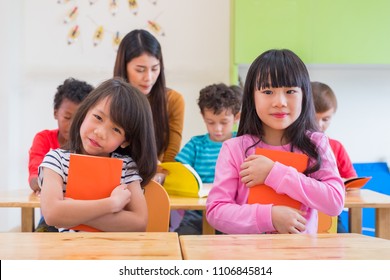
[[142, 72], [220, 126], [99, 135], [324, 119], [64, 116], [277, 108]]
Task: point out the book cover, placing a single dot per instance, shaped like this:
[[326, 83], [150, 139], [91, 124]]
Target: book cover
[[91, 178], [356, 183], [183, 180], [264, 194]]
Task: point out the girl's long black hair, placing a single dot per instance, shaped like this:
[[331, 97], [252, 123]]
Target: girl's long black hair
[[281, 68], [130, 110], [133, 45]]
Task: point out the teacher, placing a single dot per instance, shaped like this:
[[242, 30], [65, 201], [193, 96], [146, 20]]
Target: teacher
[[140, 62]]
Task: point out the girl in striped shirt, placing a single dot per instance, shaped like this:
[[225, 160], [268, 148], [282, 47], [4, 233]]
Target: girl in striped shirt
[[113, 121]]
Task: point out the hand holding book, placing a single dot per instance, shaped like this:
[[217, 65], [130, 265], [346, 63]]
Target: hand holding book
[[255, 169]]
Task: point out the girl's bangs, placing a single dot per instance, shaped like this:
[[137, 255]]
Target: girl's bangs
[[278, 73]]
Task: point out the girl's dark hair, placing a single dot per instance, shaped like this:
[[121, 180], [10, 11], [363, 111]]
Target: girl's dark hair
[[130, 110], [133, 45], [71, 89], [281, 68]]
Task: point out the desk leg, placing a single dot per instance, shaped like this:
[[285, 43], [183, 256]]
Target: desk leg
[[207, 229], [382, 222], [28, 219], [355, 220]]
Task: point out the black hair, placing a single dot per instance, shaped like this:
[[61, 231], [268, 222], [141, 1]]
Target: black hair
[[133, 45], [281, 68], [130, 110], [71, 89]]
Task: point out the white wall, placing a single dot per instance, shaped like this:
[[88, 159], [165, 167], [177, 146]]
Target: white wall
[[362, 121], [35, 59]]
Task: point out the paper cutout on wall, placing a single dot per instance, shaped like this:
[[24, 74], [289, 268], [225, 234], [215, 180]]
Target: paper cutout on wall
[[98, 36], [116, 40], [133, 5], [73, 34], [113, 7], [77, 14], [71, 16], [155, 28]]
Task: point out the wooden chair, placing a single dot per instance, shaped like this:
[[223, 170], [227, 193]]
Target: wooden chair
[[326, 223], [158, 203]]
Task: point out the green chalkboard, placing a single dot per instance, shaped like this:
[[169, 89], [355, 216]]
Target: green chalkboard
[[319, 31]]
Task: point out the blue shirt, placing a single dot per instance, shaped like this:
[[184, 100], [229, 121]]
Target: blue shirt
[[201, 153]]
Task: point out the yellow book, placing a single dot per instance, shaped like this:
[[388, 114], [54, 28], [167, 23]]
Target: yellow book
[[183, 180]]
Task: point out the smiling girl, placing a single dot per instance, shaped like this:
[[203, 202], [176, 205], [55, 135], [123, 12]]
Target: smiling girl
[[277, 114], [113, 121]]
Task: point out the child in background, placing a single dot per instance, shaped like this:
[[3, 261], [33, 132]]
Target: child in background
[[278, 114], [220, 107], [66, 102], [114, 120], [325, 104]]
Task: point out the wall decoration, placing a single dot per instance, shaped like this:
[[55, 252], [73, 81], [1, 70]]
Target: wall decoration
[[73, 34], [71, 15], [103, 20], [113, 7], [155, 28], [133, 5]]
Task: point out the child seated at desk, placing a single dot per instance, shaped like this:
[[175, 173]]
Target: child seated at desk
[[66, 102], [325, 103], [277, 114], [220, 107]]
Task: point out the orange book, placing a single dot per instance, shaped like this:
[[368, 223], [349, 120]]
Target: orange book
[[356, 183], [264, 194], [91, 178]]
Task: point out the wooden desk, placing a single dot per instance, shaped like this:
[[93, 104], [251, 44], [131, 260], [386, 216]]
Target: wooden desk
[[90, 246], [27, 201], [355, 200], [24, 199], [192, 203], [284, 247]]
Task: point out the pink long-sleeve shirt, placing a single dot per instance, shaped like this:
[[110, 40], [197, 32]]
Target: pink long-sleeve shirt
[[227, 209]]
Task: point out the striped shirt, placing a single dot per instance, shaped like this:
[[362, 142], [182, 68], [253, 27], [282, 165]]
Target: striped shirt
[[201, 153], [58, 161]]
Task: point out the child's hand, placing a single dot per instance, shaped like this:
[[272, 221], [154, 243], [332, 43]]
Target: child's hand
[[255, 170], [288, 220], [121, 197]]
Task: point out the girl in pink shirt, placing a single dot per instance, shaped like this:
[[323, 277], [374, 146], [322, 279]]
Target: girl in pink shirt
[[278, 114]]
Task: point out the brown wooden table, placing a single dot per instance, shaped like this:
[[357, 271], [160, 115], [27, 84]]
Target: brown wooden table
[[24, 199], [355, 200], [348, 246], [90, 246], [192, 203]]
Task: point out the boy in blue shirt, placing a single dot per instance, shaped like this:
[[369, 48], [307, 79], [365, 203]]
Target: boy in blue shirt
[[220, 107]]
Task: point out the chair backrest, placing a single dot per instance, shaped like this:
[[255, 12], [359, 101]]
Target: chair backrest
[[326, 223], [158, 203]]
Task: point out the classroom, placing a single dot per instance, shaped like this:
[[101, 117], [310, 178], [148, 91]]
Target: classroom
[[203, 42]]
